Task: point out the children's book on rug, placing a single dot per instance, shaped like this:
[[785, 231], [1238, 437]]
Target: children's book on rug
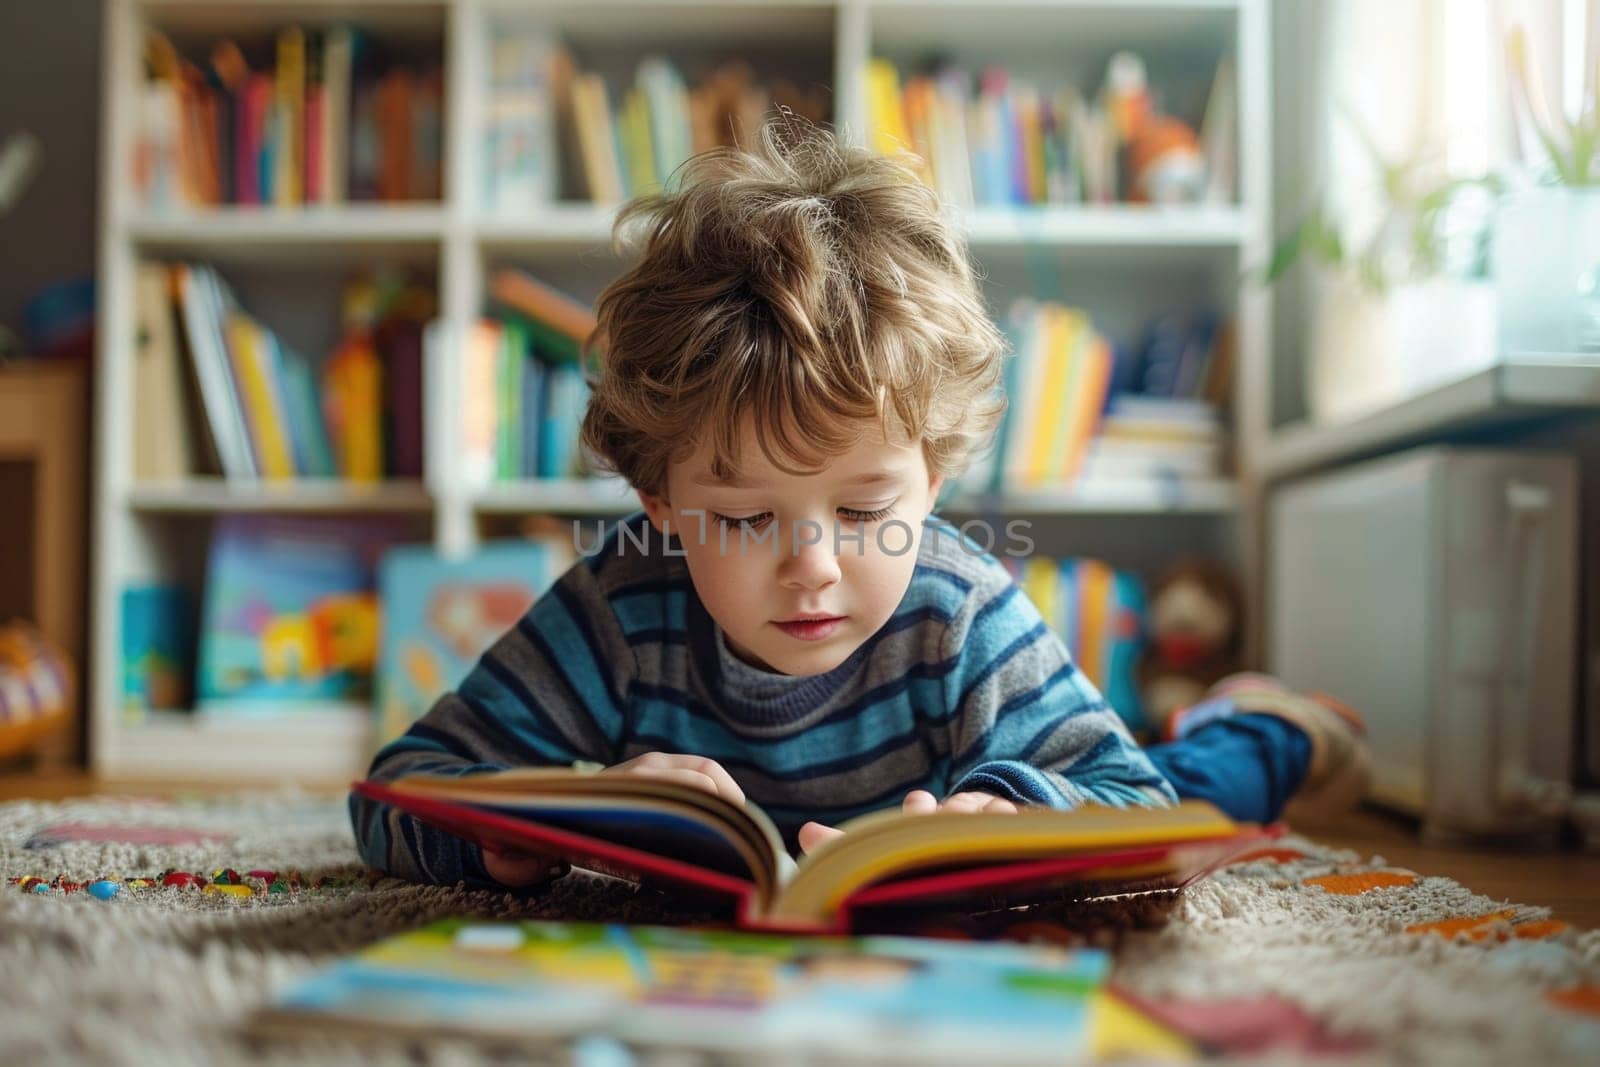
[[668, 834], [913, 999]]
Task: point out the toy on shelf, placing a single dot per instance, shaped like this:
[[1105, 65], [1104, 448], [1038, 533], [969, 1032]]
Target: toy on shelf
[[1164, 161], [1194, 618]]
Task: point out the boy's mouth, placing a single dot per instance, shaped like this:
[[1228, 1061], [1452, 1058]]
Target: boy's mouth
[[809, 627]]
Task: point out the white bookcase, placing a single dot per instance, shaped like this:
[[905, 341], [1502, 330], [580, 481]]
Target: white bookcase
[[1123, 263]]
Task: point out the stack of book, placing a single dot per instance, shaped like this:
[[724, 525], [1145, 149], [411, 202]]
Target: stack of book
[[541, 108], [1083, 412], [320, 120], [523, 387], [1163, 420], [1155, 439], [998, 140], [218, 392]]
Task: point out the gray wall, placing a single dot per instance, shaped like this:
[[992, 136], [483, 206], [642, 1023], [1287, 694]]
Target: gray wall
[[50, 84]]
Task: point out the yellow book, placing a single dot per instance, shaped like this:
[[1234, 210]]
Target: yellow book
[[647, 828], [884, 115], [1093, 595], [1041, 583], [265, 419], [1050, 432], [289, 177], [596, 137]]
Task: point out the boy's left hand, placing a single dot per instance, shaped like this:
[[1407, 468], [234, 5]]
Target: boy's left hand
[[917, 802]]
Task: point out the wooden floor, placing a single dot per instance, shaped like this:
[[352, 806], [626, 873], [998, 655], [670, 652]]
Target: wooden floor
[[1566, 881]]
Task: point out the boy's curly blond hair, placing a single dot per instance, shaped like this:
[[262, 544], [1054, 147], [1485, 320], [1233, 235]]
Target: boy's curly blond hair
[[807, 283]]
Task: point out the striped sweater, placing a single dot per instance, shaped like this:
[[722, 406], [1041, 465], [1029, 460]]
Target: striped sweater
[[964, 688]]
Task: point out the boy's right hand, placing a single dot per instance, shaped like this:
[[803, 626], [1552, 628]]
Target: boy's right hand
[[696, 771]]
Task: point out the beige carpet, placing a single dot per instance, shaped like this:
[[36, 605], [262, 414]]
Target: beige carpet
[[1380, 965]]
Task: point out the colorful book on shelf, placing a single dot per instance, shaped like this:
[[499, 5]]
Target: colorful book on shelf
[[729, 995], [254, 358], [441, 614], [352, 399], [157, 628], [664, 832], [290, 104], [560, 322], [164, 446], [510, 363], [479, 420], [200, 304], [312, 450], [1099, 614], [290, 611]]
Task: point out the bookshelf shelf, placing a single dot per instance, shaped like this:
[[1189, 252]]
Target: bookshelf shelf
[[314, 496], [1130, 497], [1109, 226], [326, 745], [566, 496], [359, 231], [563, 225], [290, 266]]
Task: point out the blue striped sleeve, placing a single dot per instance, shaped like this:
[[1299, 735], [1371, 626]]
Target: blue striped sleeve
[[552, 690], [1028, 725]]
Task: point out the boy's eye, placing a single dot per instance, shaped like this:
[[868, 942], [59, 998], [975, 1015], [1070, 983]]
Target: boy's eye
[[750, 522], [866, 516]]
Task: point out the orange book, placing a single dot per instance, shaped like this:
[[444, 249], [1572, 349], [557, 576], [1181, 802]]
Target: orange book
[[522, 292], [394, 136], [352, 396]]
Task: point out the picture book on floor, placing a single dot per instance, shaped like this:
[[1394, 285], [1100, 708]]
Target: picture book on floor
[[914, 999], [666, 833]]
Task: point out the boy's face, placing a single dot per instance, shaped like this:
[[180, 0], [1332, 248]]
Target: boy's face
[[766, 567]]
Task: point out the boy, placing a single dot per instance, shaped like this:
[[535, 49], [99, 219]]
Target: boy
[[791, 371]]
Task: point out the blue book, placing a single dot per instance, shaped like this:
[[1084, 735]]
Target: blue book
[[440, 615], [290, 611], [157, 648], [565, 394], [313, 452], [533, 376]]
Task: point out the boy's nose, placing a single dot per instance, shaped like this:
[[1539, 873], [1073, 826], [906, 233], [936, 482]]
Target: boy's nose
[[808, 566]]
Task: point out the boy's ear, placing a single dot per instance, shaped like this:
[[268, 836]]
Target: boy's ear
[[657, 508], [935, 484]]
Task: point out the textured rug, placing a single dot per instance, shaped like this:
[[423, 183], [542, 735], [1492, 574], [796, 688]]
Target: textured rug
[[1295, 952]]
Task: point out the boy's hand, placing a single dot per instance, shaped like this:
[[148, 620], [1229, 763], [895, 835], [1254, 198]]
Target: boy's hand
[[917, 802], [696, 771], [518, 870]]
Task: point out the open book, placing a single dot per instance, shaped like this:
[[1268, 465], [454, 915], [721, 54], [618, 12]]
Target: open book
[[645, 828]]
